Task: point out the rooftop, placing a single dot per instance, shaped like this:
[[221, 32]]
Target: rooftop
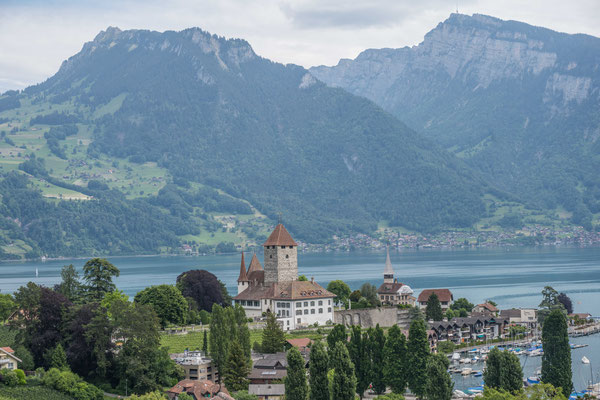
[[444, 295], [280, 237]]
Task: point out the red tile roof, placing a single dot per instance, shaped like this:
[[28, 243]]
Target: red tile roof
[[200, 389], [442, 294], [300, 342], [390, 288], [254, 264], [488, 306], [7, 349], [243, 277], [280, 237], [295, 290]]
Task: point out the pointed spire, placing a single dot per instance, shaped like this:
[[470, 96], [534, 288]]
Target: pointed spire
[[243, 277], [280, 237], [388, 265], [254, 264]]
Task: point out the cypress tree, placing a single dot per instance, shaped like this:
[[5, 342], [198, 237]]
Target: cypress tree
[[219, 338], [337, 334], [205, 343], [319, 383], [236, 369], [418, 354], [344, 380], [433, 311], [395, 359], [439, 385], [491, 375], [359, 354], [242, 331], [273, 337], [295, 381], [556, 361], [511, 373], [377, 344]]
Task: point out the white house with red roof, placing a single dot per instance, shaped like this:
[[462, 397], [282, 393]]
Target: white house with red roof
[[8, 358], [276, 288]]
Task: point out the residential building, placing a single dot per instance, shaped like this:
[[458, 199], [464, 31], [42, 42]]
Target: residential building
[[521, 316], [392, 292], [268, 369], [268, 391], [469, 329], [445, 296], [485, 309], [8, 359], [276, 288], [196, 366], [302, 344], [199, 390]]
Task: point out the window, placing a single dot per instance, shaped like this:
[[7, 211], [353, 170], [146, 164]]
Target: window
[[329, 302], [299, 320], [288, 321], [320, 302], [283, 247], [329, 309], [312, 303], [298, 304], [291, 247], [320, 311], [298, 312], [312, 310], [271, 256], [287, 256], [305, 312], [306, 304]]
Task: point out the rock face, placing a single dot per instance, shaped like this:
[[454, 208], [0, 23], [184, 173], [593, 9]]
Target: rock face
[[510, 98]]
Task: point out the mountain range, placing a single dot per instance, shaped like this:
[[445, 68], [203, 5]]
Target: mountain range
[[188, 137]]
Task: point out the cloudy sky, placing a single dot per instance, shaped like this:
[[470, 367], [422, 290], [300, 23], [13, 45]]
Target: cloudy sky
[[37, 35]]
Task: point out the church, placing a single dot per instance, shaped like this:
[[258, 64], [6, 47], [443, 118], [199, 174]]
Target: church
[[276, 288]]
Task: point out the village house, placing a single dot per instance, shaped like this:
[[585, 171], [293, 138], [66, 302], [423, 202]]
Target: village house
[[445, 296], [196, 366], [269, 368], [485, 309], [199, 390], [392, 292], [302, 344], [469, 329], [276, 288], [8, 359], [268, 392], [521, 316]]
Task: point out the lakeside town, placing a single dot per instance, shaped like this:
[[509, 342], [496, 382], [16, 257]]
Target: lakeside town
[[282, 336]]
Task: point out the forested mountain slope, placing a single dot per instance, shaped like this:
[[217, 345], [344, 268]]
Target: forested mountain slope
[[209, 112], [517, 102]]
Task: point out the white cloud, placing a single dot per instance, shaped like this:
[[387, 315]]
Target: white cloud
[[36, 36]]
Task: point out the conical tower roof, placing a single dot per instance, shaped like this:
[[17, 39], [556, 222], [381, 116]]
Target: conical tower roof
[[280, 237], [254, 264], [388, 264], [243, 277]]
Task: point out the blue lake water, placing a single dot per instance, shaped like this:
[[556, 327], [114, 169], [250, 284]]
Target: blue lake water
[[512, 277]]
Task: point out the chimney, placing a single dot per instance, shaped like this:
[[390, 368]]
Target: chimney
[[312, 279]]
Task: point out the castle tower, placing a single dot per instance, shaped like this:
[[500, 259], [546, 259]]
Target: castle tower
[[243, 281], [281, 257], [388, 272]]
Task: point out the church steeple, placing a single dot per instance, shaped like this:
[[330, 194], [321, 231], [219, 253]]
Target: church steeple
[[388, 272], [243, 278]]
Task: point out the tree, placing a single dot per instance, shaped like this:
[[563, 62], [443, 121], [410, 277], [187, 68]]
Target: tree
[[27, 362], [57, 358], [549, 302], [98, 274], [377, 344], [439, 384], [243, 395], [205, 342], [395, 360], [340, 289], [355, 296], [369, 292], [295, 381], [70, 286], [337, 334], [302, 278], [511, 373], [418, 354], [556, 361], [493, 365], [462, 304], [236, 369], [242, 333], [203, 287], [318, 366], [167, 301], [273, 337], [358, 348], [220, 330], [7, 306], [344, 382], [566, 302], [433, 311]]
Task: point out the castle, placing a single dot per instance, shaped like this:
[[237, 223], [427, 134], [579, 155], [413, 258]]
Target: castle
[[276, 288], [392, 292]]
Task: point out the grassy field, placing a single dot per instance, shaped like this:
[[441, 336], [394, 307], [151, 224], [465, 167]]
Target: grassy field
[[31, 393]]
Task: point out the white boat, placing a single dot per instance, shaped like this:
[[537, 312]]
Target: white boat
[[36, 272], [456, 357], [585, 360], [466, 371]]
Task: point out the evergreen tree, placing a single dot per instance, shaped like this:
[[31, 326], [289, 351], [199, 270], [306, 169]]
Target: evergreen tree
[[395, 359], [491, 375], [556, 361], [433, 311], [377, 344], [511, 373], [359, 354], [242, 331], [219, 338], [439, 384], [273, 337], [344, 381], [236, 369], [319, 383], [205, 342], [98, 274], [337, 334], [70, 286], [418, 353], [295, 381], [58, 358]]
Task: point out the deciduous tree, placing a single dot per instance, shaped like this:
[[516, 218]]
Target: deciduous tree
[[418, 354], [203, 287], [340, 289], [318, 365], [395, 360], [439, 384], [377, 344], [358, 347], [167, 301], [343, 386], [295, 381]]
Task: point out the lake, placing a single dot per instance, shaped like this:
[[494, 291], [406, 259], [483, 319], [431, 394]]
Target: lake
[[512, 277]]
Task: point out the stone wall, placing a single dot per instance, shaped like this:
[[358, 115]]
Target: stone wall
[[370, 317], [281, 265]]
